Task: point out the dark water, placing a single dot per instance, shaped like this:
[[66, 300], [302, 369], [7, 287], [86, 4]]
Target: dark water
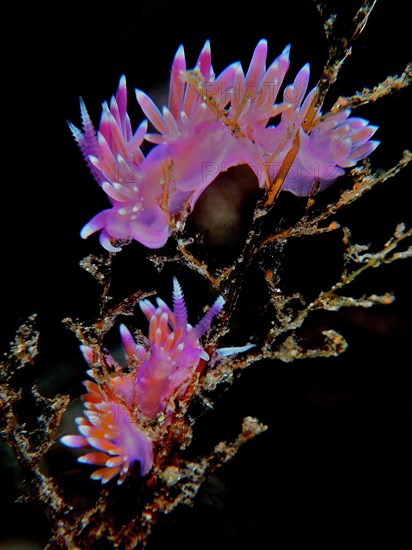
[[333, 471]]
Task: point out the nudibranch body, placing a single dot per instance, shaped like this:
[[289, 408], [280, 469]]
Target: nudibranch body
[[117, 424], [211, 123]]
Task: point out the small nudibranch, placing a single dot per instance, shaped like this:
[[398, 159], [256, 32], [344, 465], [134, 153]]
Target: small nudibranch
[[116, 423]]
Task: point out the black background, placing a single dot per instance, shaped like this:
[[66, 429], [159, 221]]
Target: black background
[[334, 470]]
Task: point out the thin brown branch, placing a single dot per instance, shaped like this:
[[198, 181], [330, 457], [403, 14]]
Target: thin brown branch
[[389, 85]]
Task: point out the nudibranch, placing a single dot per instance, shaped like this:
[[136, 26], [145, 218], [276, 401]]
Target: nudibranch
[[210, 124], [120, 408]]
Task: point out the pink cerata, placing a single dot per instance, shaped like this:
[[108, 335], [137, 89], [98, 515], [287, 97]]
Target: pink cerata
[[211, 123], [119, 411]]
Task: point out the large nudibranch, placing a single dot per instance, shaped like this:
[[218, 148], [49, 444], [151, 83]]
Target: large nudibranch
[[211, 124]]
